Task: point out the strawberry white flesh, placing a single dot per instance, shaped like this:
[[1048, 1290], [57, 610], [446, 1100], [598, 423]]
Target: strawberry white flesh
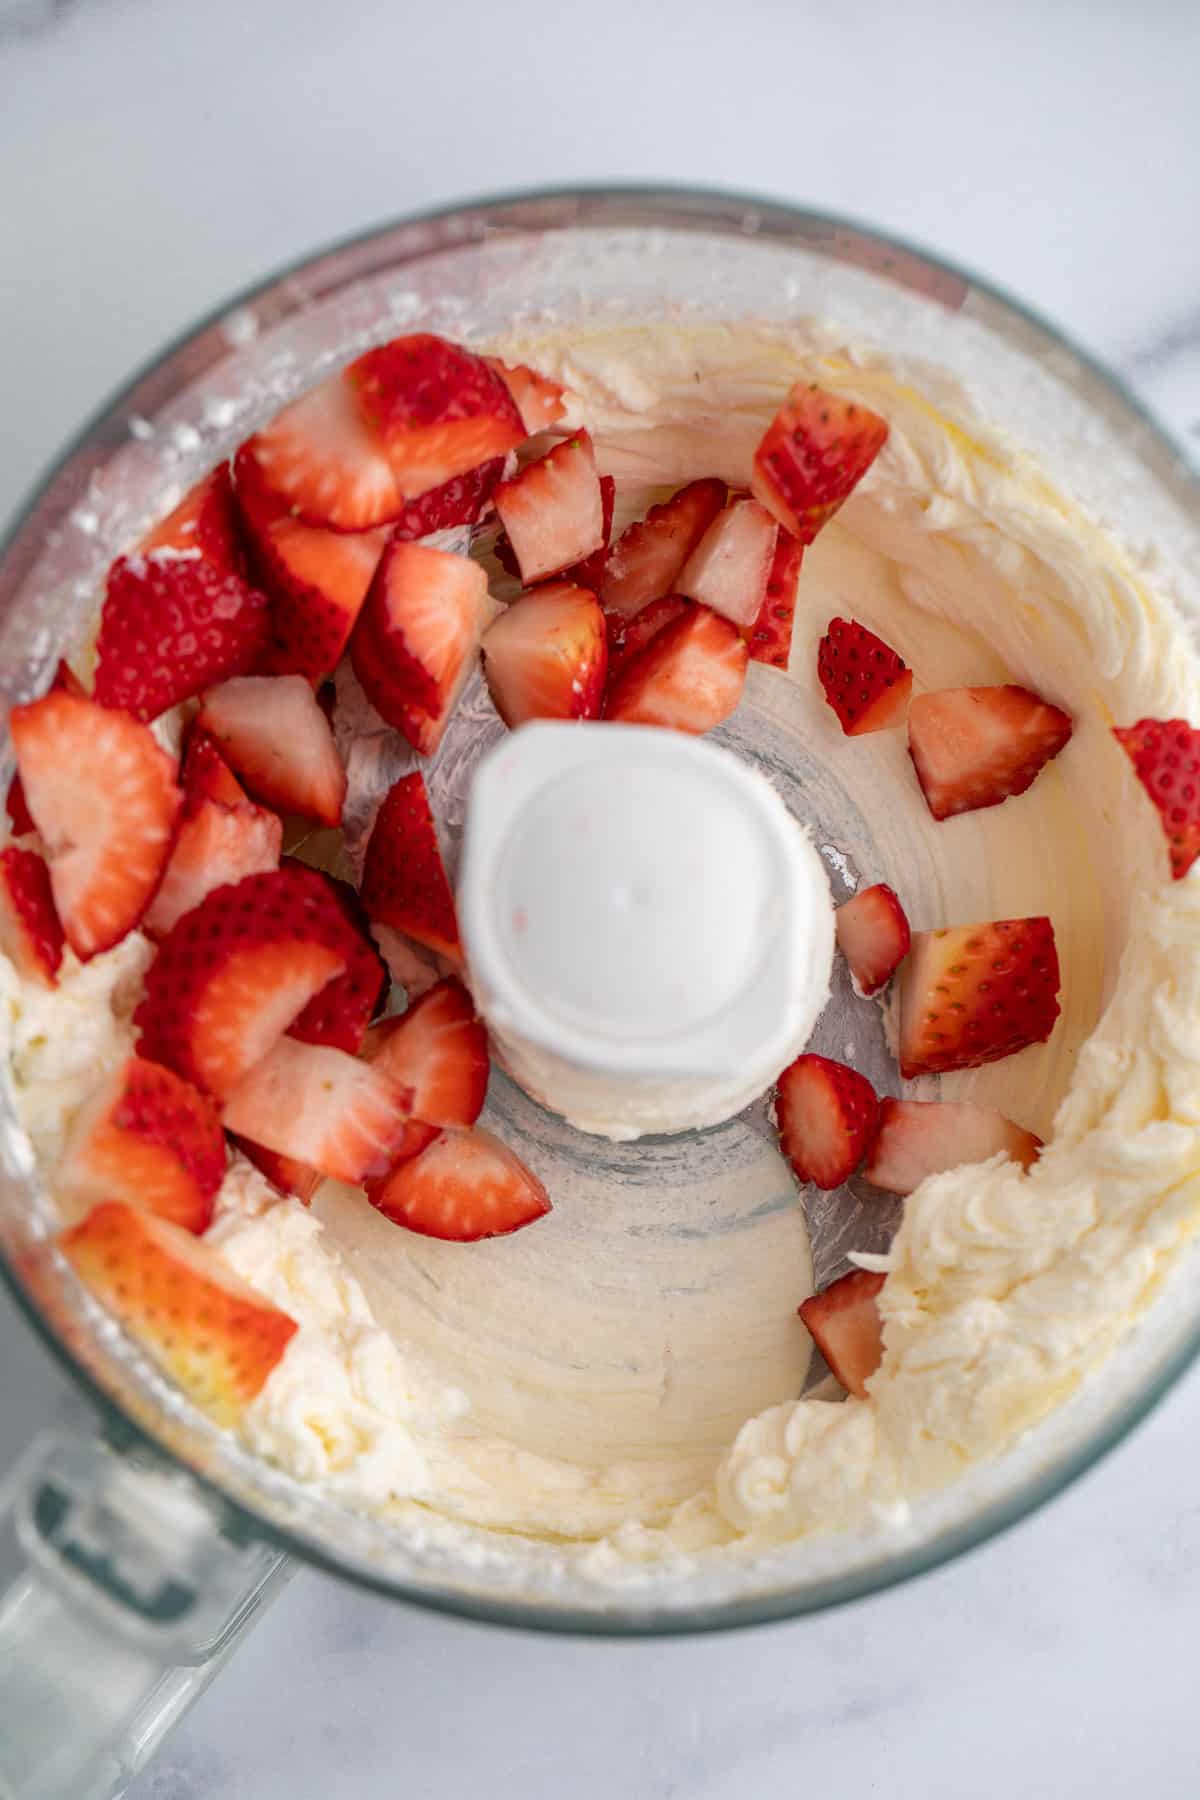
[[105, 798], [977, 747], [321, 1107], [688, 678], [873, 935], [844, 1323], [439, 1050], [645, 562], [546, 656], [274, 733], [415, 642], [219, 841], [538, 398], [410, 967], [918, 1138], [827, 1115], [552, 510], [467, 1185], [729, 568], [323, 460]]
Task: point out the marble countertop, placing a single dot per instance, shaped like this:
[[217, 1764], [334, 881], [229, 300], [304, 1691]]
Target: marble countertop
[[157, 158]]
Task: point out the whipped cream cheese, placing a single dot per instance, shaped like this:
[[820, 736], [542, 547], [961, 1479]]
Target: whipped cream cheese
[[409, 1386]]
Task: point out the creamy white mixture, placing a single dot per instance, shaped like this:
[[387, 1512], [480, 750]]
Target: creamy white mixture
[[593, 1417]]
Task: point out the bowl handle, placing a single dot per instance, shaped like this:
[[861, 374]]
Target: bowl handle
[[132, 1593]]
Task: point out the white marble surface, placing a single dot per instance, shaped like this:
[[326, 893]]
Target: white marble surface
[[156, 157]]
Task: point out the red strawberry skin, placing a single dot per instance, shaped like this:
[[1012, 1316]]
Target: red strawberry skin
[[19, 817], [172, 625], [827, 1116], [973, 994], [865, 682], [438, 409], [284, 1173], [538, 398], [813, 455], [628, 637], [31, 934], [466, 1186], [977, 747], [646, 561], [459, 501], [205, 521], [404, 881], [844, 1323], [233, 974], [1165, 754], [770, 636], [417, 638], [340, 1013]]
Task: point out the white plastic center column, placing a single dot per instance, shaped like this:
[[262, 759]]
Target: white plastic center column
[[649, 931]]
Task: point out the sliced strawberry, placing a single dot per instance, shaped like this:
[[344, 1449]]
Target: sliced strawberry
[[65, 682], [873, 936], [438, 1049], [204, 521], [322, 459], [283, 1172], [552, 510], [467, 1185], [628, 637], [827, 1116], [404, 881], [340, 1013], [770, 636], [438, 409], [730, 566], [176, 620], [104, 797], [688, 678], [590, 572], [210, 1331], [150, 1139], [865, 682], [975, 747], [537, 398], [546, 656], [321, 1107], [812, 456], [410, 967], [276, 735], [222, 836], [972, 994], [844, 1323], [646, 561], [317, 579], [237, 970], [460, 501], [31, 935], [925, 1137], [415, 643], [1165, 754]]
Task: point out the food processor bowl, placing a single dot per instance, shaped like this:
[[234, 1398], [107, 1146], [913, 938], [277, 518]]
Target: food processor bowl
[[569, 259]]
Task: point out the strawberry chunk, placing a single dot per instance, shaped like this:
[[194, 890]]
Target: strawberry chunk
[[340, 1013], [1165, 754], [918, 1138], [730, 566], [19, 817], [688, 678], [404, 881], [972, 994], [590, 572], [460, 501], [319, 1106], [827, 1114], [284, 1173], [467, 1185], [179, 613], [317, 579], [812, 456], [546, 656], [323, 461], [844, 1323], [415, 644], [976, 747], [865, 682], [212, 1333], [627, 637], [278, 738], [552, 510], [150, 1139], [31, 934], [439, 410], [104, 797], [646, 561], [222, 836], [439, 1050], [770, 636], [234, 973], [537, 398], [410, 967], [873, 936]]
